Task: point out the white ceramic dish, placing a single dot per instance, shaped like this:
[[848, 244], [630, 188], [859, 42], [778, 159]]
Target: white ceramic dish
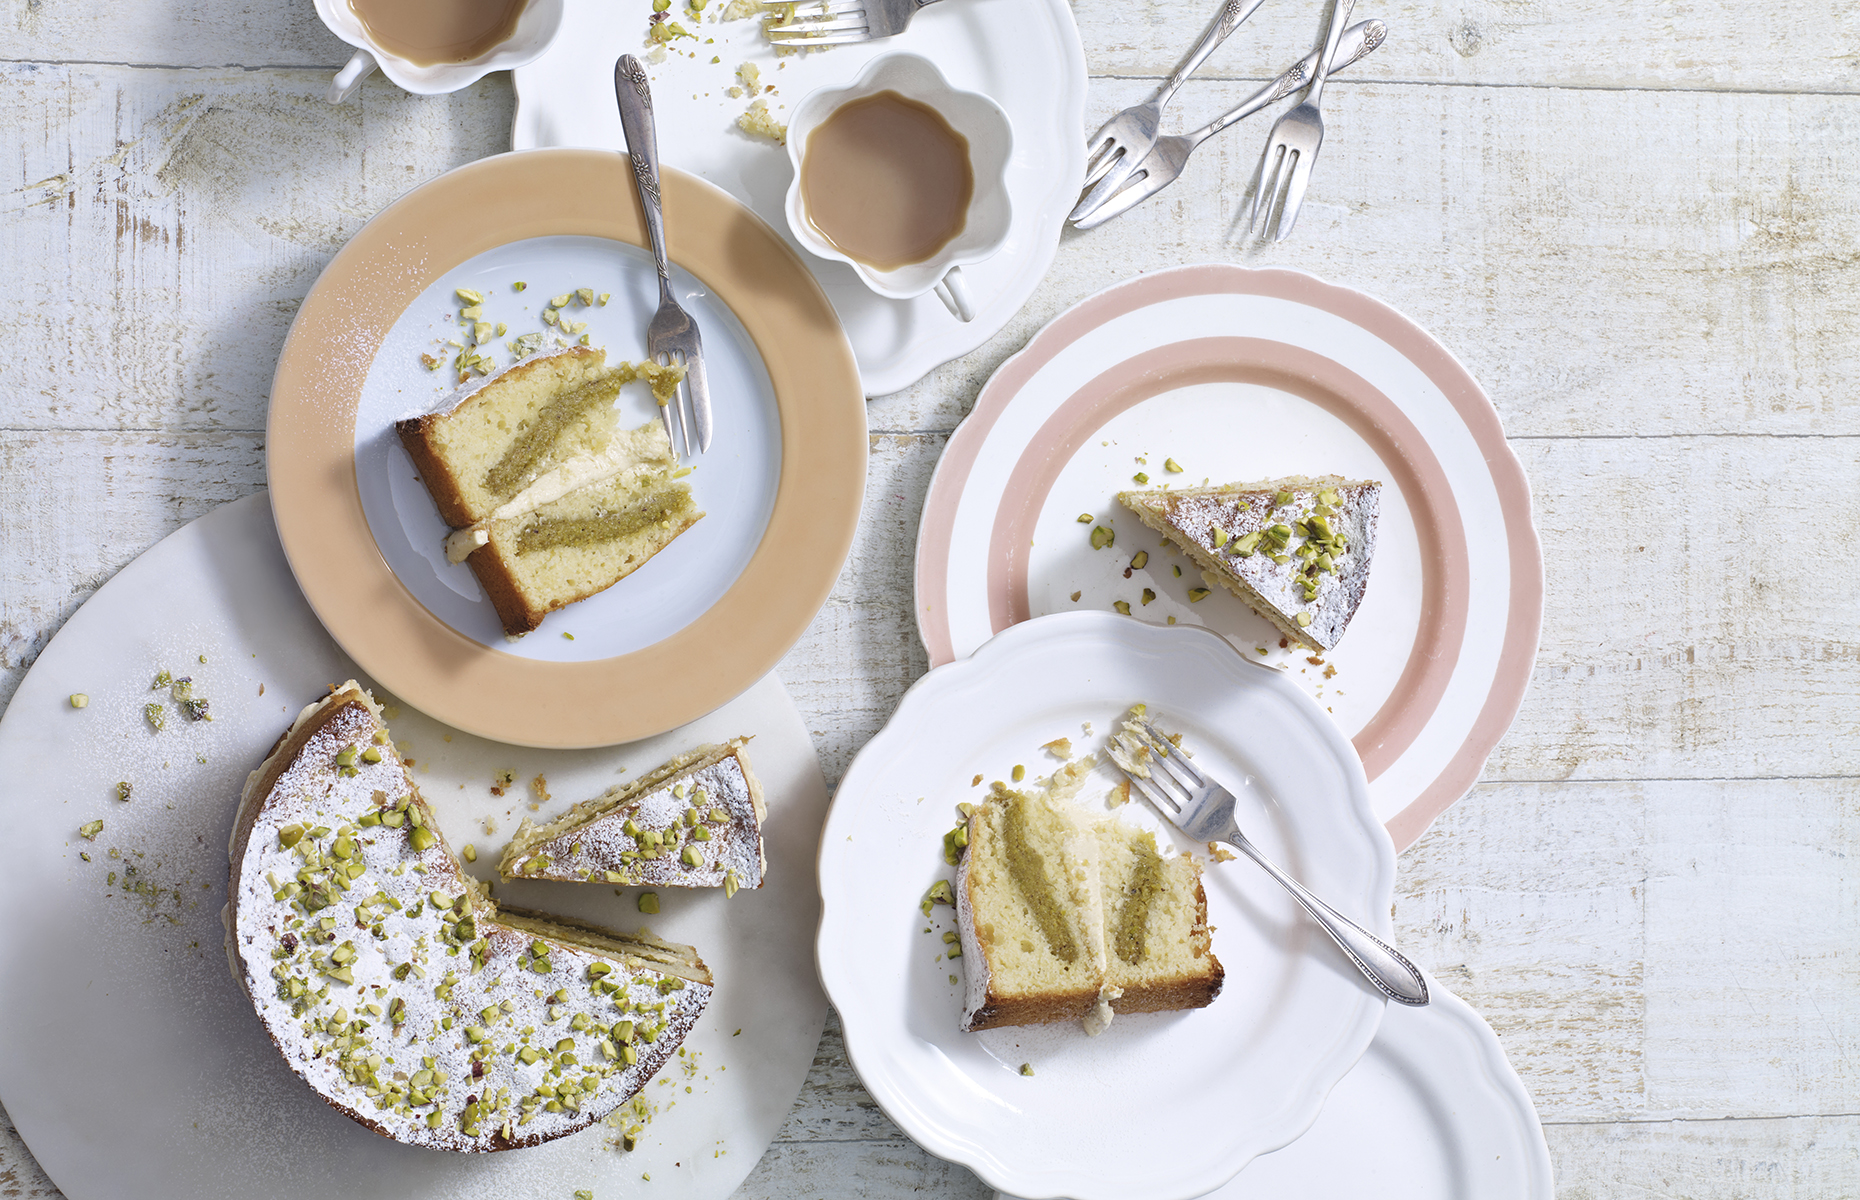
[[978, 120], [131, 987], [734, 483], [1245, 375], [1216, 1086], [1023, 54], [1432, 1112], [536, 28]]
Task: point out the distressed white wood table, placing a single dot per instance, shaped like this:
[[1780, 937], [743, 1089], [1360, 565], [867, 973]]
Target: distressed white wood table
[[1639, 226]]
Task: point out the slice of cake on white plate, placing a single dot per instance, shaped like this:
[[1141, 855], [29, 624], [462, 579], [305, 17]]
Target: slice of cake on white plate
[[550, 502], [694, 822], [1296, 549]]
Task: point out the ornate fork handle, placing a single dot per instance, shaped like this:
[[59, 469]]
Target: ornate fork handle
[[1393, 975], [642, 143], [1357, 41], [1228, 19]]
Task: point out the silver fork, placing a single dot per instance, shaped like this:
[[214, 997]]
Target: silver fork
[[673, 335], [830, 22], [1116, 148], [1285, 168], [1204, 810], [1165, 162]]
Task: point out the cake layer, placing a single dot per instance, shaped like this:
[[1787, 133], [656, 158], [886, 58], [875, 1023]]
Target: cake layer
[[1159, 954], [694, 822], [515, 427], [580, 544], [1297, 549], [1028, 914], [394, 987]]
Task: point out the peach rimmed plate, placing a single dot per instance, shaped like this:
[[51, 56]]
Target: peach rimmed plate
[[781, 485], [1240, 374]]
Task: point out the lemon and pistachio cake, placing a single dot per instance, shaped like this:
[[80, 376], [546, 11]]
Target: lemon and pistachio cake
[[1297, 549], [1066, 918], [398, 990], [550, 502], [694, 822]]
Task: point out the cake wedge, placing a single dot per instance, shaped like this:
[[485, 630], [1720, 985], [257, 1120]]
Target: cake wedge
[[1297, 550], [694, 822]]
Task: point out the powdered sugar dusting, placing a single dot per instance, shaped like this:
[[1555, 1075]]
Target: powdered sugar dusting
[[396, 994]]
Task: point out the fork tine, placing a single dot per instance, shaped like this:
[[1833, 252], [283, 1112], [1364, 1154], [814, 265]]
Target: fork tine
[[1176, 754], [1294, 196], [1269, 170], [1155, 786], [1140, 188], [1099, 161], [1154, 795], [1100, 191], [855, 19], [823, 39]]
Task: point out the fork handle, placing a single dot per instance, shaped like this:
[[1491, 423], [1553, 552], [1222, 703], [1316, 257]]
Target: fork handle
[[1232, 13], [1338, 18], [1383, 965], [642, 144], [1358, 40]]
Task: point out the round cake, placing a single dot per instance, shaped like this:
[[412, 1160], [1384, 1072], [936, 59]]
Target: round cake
[[395, 987]]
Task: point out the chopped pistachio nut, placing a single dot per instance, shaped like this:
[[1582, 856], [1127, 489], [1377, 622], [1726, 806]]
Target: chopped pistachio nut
[[1141, 477], [1086, 518], [1101, 537], [469, 853], [471, 297], [649, 902], [1149, 594], [1026, 1068], [1304, 619], [79, 700], [562, 300], [1140, 560], [90, 829], [1020, 772], [1172, 466], [730, 884], [122, 789], [1122, 606], [586, 296], [1197, 595], [939, 893], [1075, 596], [155, 715]]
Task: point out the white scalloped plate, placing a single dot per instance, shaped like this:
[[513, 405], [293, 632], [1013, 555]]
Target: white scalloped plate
[[1432, 1112], [1022, 54], [1191, 1097]]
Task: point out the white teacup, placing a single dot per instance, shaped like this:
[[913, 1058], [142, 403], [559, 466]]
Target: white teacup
[[991, 141], [536, 28]]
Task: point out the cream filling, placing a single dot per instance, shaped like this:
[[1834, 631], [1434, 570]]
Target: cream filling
[[644, 451]]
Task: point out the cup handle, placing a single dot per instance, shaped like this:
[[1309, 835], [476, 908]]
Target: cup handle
[[348, 81], [955, 295]]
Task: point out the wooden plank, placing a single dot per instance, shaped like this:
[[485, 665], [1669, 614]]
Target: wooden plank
[[161, 228], [1651, 950], [177, 217], [1811, 1158], [1715, 45], [1647, 291]]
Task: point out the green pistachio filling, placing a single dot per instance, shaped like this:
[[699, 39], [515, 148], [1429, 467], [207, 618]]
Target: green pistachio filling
[[550, 533], [1140, 896], [512, 471], [1027, 867]]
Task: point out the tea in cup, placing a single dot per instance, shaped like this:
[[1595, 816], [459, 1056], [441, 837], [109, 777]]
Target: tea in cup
[[902, 177], [435, 46]]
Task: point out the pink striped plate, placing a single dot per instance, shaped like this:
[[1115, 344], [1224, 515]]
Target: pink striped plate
[[1240, 374]]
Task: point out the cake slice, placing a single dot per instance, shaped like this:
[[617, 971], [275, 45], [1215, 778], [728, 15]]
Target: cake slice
[[694, 822], [536, 562], [549, 501], [1028, 914], [1297, 549], [395, 988], [1159, 953]]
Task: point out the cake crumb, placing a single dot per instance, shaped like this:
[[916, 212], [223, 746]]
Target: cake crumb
[[1221, 853]]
